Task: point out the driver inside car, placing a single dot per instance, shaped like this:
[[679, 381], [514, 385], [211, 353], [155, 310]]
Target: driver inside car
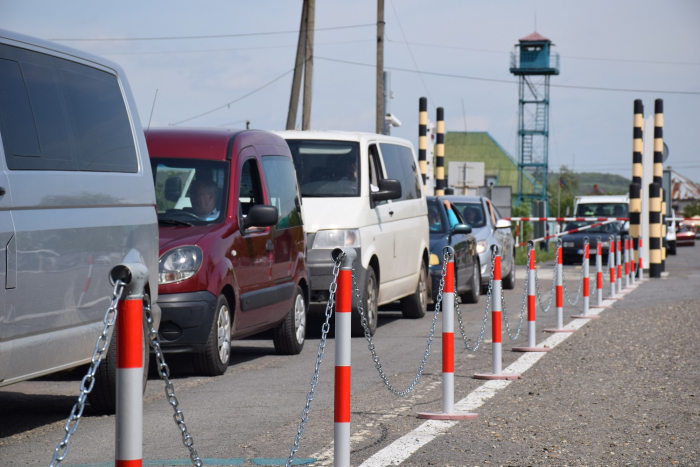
[[203, 200]]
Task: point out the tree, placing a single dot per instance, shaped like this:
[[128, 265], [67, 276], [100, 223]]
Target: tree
[[692, 209]]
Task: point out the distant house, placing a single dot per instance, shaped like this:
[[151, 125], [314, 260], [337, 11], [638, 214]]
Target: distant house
[[684, 191], [479, 146]]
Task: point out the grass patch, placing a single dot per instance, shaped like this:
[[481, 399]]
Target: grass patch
[[540, 256]]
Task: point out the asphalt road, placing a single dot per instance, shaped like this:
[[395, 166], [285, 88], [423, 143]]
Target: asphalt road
[[622, 390]]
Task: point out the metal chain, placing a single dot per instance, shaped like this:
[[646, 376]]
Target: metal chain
[[370, 344], [580, 280], [319, 358], [88, 382], [554, 283], [164, 372], [476, 346], [522, 310]]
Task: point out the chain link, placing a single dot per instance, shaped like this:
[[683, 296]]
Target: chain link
[[522, 310], [580, 281], [480, 339], [370, 344], [319, 358], [88, 381], [164, 373], [554, 283]]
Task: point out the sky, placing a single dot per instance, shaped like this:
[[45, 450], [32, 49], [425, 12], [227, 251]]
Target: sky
[[640, 45]]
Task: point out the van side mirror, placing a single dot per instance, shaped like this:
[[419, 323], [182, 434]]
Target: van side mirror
[[173, 188], [261, 215], [388, 189], [503, 224]]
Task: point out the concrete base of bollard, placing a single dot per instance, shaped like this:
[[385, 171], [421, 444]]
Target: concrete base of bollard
[[600, 306], [531, 349], [498, 376], [447, 416], [559, 330], [585, 316]]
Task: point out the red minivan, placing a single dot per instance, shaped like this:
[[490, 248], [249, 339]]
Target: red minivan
[[231, 242]]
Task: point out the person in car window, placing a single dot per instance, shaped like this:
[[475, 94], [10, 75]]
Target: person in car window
[[203, 199], [434, 218]]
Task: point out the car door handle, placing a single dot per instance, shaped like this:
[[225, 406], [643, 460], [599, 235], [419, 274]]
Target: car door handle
[[2, 190], [391, 213]]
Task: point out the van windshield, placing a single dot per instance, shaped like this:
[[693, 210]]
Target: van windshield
[[601, 210], [326, 168], [190, 191]]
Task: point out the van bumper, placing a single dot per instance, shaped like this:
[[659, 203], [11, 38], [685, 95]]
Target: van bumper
[[185, 320], [320, 267]]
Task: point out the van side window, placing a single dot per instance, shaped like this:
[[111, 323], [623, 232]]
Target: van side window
[[284, 193], [34, 118], [250, 191], [101, 124], [401, 165]]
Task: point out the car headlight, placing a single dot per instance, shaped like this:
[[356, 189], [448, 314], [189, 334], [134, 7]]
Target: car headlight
[[327, 239], [568, 244], [481, 246], [179, 264], [434, 259]]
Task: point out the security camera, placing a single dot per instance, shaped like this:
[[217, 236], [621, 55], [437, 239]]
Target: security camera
[[393, 121]]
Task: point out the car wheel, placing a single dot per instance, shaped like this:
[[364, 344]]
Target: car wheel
[[473, 295], [415, 305], [103, 397], [213, 360], [290, 334], [509, 280], [370, 300]]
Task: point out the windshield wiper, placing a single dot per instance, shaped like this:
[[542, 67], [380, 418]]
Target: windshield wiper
[[174, 222]]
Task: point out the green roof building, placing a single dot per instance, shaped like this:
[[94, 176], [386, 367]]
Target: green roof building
[[479, 146]]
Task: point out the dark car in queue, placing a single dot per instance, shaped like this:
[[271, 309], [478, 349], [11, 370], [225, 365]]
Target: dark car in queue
[[466, 266], [572, 244], [231, 242]]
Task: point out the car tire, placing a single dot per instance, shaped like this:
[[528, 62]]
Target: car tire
[[103, 397], [473, 295], [213, 360], [415, 305], [509, 280], [672, 248], [370, 300], [290, 334]]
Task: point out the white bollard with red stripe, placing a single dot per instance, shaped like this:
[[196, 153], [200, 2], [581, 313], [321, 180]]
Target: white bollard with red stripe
[[633, 264], [640, 268], [586, 282], [611, 264], [559, 293], [343, 337], [618, 261], [496, 324], [129, 363], [627, 263], [448, 350], [599, 274], [531, 306]]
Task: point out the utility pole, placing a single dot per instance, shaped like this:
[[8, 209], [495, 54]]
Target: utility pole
[[298, 67], [309, 64], [380, 67]]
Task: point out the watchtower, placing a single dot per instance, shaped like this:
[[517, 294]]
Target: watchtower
[[533, 62]]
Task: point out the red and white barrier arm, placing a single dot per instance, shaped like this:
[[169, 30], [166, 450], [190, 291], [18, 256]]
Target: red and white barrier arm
[[561, 234], [565, 219]]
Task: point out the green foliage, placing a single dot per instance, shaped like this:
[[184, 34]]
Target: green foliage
[[568, 191], [692, 209], [524, 210]]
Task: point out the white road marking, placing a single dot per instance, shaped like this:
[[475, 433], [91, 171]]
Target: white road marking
[[401, 449]]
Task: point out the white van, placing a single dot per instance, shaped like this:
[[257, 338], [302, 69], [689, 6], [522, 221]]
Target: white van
[[363, 190], [603, 206]]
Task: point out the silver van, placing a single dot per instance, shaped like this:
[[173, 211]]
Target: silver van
[[76, 199]]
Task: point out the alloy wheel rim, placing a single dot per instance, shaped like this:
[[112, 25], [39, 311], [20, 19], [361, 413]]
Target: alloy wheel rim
[[371, 303], [477, 279], [300, 319], [423, 288], [223, 331]]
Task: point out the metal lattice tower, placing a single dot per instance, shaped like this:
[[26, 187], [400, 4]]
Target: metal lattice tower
[[533, 62]]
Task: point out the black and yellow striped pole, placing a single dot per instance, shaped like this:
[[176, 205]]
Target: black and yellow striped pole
[[422, 138], [635, 208], [659, 170], [440, 153], [654, 230]]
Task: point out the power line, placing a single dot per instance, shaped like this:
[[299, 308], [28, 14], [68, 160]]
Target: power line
[[228, 48], [215, 36], [448, 75], [398, 21], [471, 49], [235, 100]]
